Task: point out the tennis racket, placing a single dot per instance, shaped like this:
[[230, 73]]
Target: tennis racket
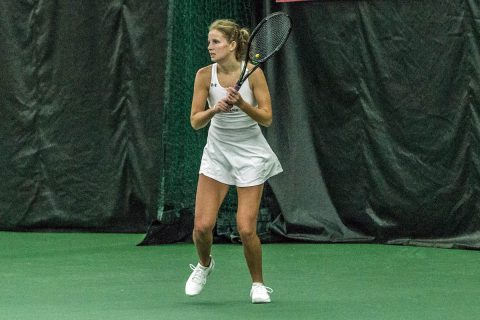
[[266, 39]]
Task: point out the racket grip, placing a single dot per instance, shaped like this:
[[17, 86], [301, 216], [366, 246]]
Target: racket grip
[[237, 87]]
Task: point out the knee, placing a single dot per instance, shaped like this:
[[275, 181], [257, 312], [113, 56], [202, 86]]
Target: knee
[[202, 230], [247, 233]]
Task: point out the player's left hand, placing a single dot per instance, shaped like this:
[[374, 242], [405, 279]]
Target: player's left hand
[[233, 97]]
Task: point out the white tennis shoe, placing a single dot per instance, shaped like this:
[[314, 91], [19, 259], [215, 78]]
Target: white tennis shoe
[[198, 278], [259, 293]]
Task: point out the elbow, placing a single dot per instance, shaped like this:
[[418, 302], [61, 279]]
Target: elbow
[[266, 123], [195, 124], [267, 119]]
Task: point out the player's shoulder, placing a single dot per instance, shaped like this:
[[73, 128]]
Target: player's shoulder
[[207, 70], [250, 66], [257, 75], [204, 74]]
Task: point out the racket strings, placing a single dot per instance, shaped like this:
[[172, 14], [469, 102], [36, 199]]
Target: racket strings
[[269, 38]]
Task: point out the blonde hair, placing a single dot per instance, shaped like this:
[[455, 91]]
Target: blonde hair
[[233, 32]]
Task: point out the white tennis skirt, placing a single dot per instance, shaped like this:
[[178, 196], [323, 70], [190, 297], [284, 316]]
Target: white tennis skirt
[[239, 157]]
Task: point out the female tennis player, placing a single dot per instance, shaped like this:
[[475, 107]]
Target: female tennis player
[[236, 152]]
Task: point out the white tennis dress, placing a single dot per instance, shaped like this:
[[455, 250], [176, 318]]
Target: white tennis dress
[[236, 152]]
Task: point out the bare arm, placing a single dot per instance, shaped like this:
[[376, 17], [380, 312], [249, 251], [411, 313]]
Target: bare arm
[[199, 116], [262, 114]]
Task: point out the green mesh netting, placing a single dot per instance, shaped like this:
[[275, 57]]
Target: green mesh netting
[[187, 44]]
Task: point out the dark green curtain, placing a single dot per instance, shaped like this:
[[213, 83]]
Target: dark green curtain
[[377, 122], [376, 119], [81, 93]]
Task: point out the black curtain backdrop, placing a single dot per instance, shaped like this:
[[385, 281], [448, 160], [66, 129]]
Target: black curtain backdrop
[[376, 119], [81, 113], [377, 122]]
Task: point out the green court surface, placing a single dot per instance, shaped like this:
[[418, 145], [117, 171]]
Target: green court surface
[[106, 276]]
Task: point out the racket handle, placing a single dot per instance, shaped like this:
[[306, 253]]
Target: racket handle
[[237, 87]]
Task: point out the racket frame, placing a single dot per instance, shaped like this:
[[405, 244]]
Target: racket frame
[[257, 63]]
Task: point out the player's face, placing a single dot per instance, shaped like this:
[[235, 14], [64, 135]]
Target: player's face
[[218, 45]]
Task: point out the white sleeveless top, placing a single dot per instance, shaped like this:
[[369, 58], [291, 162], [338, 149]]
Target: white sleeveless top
[[236, 152], [236, 118]]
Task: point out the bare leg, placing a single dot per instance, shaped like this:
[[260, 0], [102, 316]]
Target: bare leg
[[210, 195], [248, 205]]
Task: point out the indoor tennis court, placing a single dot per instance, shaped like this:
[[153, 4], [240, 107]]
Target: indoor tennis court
[[103, 276], [361, 124]]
